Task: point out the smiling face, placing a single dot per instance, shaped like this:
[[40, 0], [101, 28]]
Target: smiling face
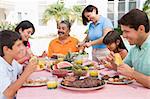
[[26, 33], [91, 16], [112, 46], [130, 34], [63, 30], [18, 49]]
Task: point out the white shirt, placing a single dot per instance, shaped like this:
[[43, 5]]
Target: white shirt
[[8, 74]]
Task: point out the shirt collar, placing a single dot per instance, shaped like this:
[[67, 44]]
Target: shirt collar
[[9, 67], [66, 41], [146, 43], [99, 21]]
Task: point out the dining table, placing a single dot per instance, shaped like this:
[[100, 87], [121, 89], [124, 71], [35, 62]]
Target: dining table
[[109, 91]]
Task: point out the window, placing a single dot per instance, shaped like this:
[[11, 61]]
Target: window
[[110, 10], [132, 4], [19, 16], [117, 9], [121, 8]]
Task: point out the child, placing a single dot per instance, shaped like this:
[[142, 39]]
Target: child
[[114, 43], [10, 46]]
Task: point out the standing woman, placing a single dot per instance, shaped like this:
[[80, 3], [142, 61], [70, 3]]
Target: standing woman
[[98, 28], [26, 29]]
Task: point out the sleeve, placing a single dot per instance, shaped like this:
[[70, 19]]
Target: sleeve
[[128, 58], [50, 50], [20, 68], [107, 24], [4, 82]]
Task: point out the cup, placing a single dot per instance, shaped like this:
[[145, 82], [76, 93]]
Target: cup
[[52, 82]]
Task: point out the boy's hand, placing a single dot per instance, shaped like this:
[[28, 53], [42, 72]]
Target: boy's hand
[[33, 62]]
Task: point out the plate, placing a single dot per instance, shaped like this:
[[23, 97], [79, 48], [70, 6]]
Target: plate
[[121, 83], [40, 81], [82, 89], [33, 84]]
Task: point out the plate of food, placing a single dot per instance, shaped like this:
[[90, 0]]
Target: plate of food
[[36, 82], [86, 84], [117, 80]]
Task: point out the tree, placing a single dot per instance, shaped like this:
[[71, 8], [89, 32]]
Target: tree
[[58, 11], [76, 13], [146, 7]]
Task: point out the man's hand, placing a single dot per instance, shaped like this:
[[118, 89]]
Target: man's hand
[[126, 70]]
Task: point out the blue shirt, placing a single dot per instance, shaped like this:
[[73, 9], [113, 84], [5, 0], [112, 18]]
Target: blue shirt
[[139, 58], [96, 31], [8, 74]]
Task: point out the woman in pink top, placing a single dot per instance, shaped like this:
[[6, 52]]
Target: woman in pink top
[[26, 29]]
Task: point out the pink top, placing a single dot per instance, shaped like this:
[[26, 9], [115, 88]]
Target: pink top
[[131, 91], [28, 45]]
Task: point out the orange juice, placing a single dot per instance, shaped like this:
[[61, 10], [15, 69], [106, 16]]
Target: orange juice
[[52, 84]]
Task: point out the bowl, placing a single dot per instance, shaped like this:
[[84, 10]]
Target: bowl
[[60, 73]]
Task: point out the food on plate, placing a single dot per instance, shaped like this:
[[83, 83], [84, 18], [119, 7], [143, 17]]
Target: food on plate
[[118, 59], [93, 73], [78, 62], [79, 70], [88, 82], [64, 65], [60, 72], [117, 79], [36, 82], [33, 58], [70, 57], [90, 64]]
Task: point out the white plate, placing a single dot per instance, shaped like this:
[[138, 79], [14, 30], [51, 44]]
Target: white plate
[[81, 89], [34, 84], [121, 83]]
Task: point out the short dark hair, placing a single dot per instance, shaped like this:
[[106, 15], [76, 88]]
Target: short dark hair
[[67, 23], [8, 38], [89, 8], [134, 19], [25, 25], [113, 36]]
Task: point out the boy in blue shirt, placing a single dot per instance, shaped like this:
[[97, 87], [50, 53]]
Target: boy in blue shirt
[[10, 46]]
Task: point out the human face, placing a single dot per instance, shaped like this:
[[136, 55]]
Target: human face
[[112, 46], [91, 16], [63, 30], [26, 33], [18, 50], [130, 34]]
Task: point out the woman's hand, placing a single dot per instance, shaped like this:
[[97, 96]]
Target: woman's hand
[[87, 44]]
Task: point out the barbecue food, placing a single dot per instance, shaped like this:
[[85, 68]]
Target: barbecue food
[[88, 82]]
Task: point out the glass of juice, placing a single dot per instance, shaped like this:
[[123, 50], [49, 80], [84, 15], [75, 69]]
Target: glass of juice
[[52, 82]]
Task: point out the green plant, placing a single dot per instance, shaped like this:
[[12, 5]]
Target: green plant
[[76, 13], [118, 29], [58, 11], [7, 26], [146, 7]]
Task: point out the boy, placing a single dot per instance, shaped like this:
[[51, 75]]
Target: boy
[[10, 46]]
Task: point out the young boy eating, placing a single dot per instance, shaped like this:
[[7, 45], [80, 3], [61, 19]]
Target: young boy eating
[[10, 46]]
